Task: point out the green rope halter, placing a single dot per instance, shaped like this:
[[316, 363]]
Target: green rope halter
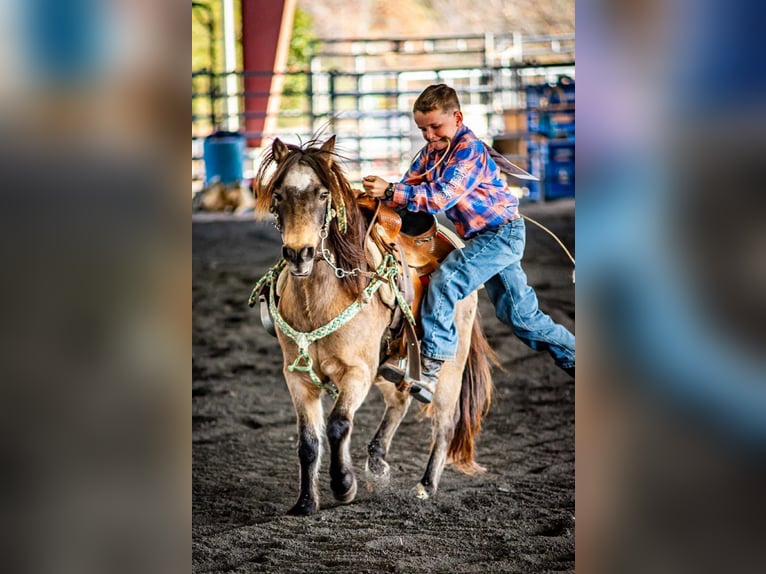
[[271, 276], [385, 273]]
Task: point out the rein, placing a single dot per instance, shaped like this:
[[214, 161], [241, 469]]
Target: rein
[[438, 162], [561, 243]]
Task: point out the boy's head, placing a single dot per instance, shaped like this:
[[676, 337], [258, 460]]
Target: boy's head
[[437, 114]]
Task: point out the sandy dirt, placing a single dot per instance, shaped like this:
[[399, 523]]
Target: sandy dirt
[[518, 517]]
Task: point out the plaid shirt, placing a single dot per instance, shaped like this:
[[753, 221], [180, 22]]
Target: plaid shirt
[[466, 186]]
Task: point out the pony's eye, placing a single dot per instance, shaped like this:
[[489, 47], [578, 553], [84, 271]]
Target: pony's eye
[[278, 196], [324, 195]]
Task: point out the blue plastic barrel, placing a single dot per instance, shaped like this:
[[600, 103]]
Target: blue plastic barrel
[[224, 154]]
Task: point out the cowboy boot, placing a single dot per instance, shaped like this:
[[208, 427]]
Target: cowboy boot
[[423, 390]]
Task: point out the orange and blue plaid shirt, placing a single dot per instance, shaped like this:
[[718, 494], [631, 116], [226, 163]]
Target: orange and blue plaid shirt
[[467, 186]]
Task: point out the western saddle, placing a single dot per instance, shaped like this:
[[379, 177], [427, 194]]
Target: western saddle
[[419, 244]]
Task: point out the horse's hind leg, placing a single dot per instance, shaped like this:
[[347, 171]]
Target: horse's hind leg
[[378, 472], [442, 428], [339, 426], [308, 409]]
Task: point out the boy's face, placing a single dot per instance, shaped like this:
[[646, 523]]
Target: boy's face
[[438, 124]]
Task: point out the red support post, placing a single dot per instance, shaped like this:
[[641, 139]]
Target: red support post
[[266, 29]]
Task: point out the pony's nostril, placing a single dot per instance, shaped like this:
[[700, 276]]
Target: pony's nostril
[[302, 255], [307, 253], [288, 253]]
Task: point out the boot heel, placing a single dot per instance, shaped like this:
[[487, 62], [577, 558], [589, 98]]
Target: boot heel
[[421, 394], [393, 372]]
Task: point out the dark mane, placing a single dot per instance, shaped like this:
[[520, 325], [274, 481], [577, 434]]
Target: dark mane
[[349, 247]]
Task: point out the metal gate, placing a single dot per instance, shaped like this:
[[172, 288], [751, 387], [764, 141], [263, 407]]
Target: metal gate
[[363, 91]]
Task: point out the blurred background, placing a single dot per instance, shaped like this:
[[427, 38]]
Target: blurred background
[[671, 389], [95, 304]]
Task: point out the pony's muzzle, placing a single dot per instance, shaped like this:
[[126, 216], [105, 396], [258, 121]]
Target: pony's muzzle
[[300, 260], [298, 256]]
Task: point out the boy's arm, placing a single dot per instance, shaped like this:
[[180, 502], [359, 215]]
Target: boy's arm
[[461, 173], [379, 188]]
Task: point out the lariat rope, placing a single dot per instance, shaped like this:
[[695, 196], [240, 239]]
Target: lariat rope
[[385, 273], [541, 226], [561, 244], [439, 161]]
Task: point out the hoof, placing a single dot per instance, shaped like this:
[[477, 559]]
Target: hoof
[[346, 495], [377, 469], [421, 492], [304, 508], [377, 475]]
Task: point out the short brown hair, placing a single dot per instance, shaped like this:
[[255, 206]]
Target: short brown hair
[[437, 96]]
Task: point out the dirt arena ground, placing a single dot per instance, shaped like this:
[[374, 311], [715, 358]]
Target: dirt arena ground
[[518, 517]]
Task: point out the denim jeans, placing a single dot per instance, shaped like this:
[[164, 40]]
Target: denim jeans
[[493, 257]]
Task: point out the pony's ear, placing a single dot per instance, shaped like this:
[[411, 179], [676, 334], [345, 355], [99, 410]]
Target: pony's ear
[[328, 149], [279, 150]]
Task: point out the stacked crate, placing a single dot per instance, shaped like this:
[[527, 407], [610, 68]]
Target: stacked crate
[[515, 144], [551, 119], [541, 138]]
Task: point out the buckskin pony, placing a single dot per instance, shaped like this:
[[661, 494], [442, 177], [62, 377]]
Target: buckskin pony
[[328, 306]]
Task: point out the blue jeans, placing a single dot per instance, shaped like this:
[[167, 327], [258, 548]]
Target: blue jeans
[[493, 257]]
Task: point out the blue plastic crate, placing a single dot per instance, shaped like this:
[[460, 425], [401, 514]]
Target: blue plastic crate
[[537, 151], [560, 169], [551, 108]]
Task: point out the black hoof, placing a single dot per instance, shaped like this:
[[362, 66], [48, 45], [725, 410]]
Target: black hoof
[[303, 508], [345, 489]]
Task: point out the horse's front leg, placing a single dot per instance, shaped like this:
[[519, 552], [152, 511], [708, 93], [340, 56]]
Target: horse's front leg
[[354, 384], [308, 409]]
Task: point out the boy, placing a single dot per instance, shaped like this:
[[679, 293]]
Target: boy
[[467, 186]]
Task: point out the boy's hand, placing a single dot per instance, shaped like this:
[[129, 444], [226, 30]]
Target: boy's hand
[[374, 186]]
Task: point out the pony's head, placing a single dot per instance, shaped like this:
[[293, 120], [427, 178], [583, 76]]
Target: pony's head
[[307, 192]]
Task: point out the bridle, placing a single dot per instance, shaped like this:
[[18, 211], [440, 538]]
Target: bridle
[[335, 209]]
